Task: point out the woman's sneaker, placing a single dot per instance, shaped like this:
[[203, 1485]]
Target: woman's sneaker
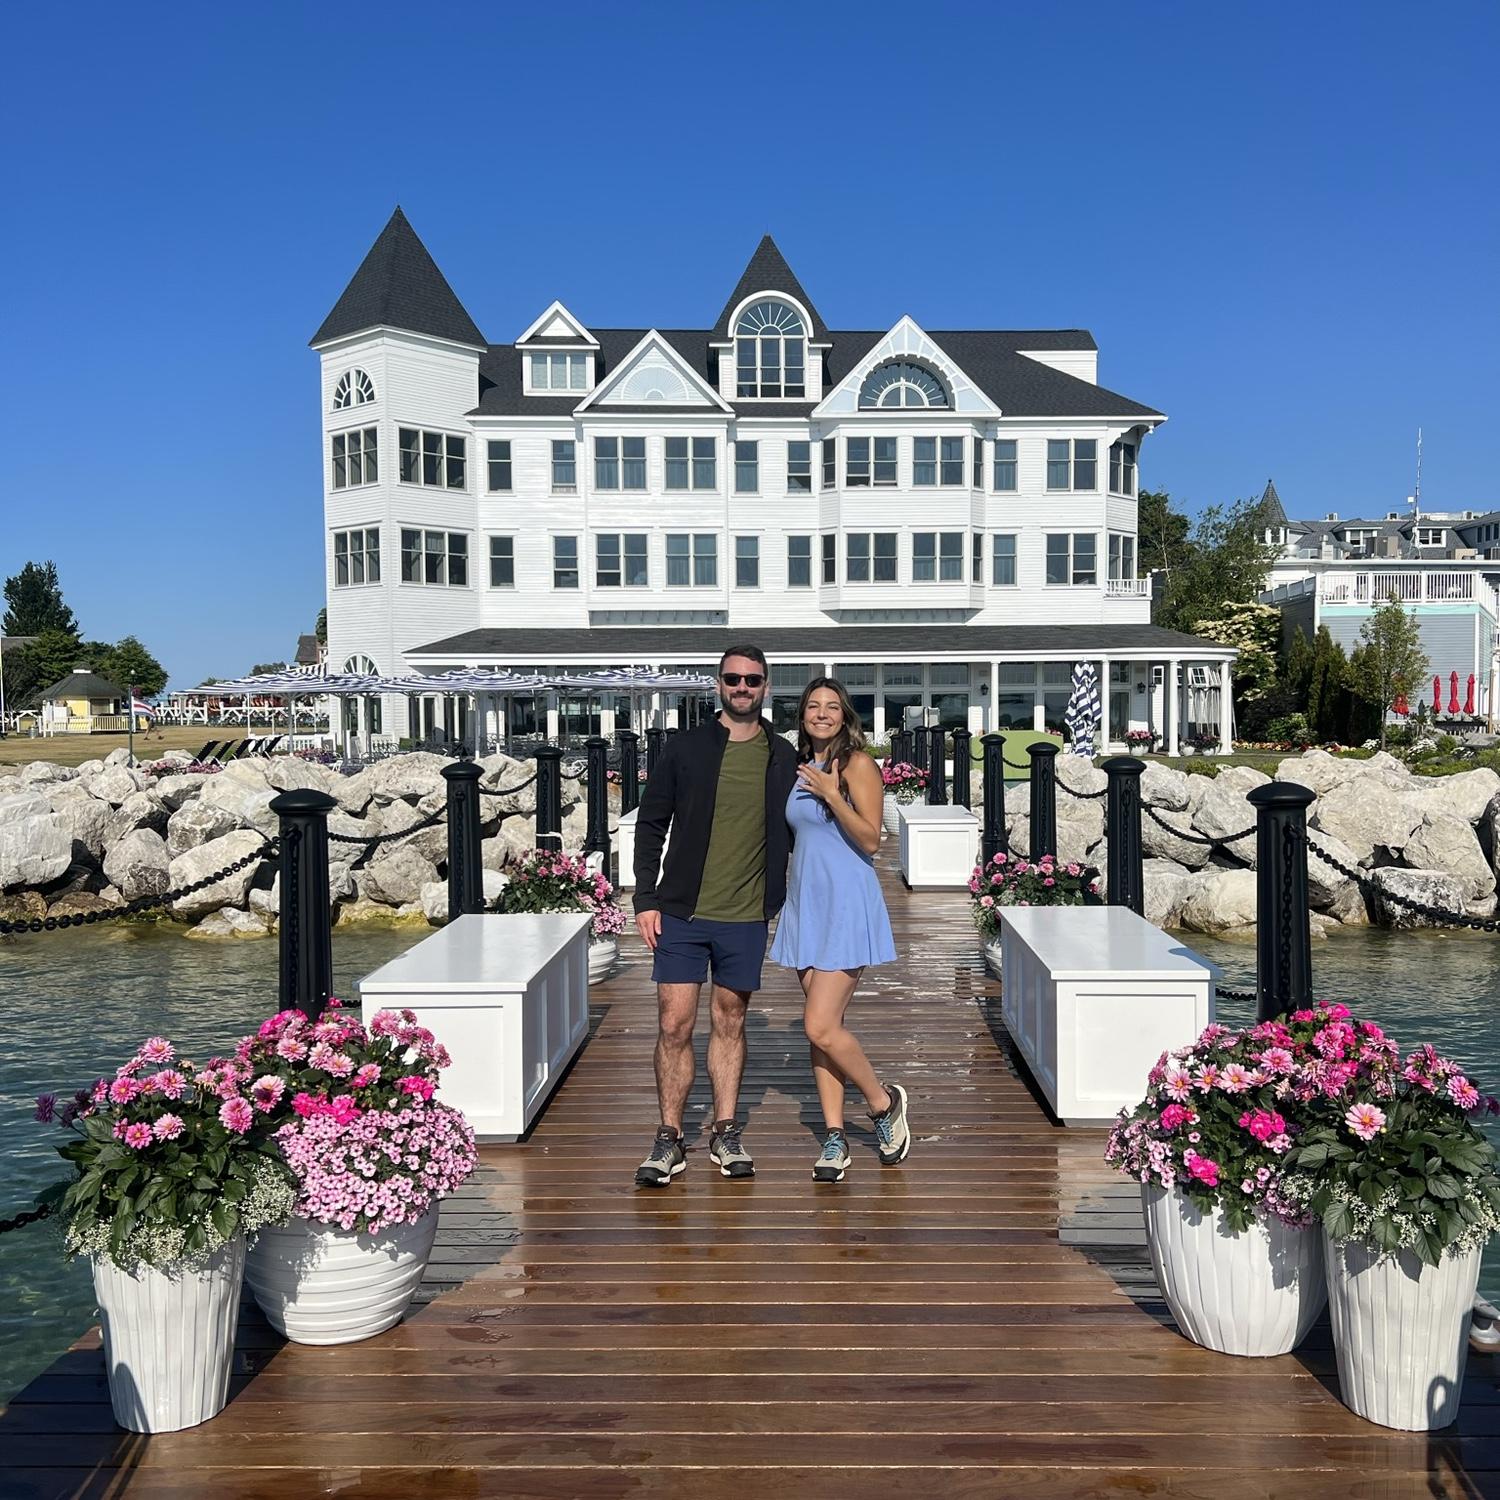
[[727, 1150], [892, 1137], [666, 1160], [833, 1161]]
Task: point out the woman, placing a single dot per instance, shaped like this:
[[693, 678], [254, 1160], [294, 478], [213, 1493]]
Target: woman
[[834, 922]]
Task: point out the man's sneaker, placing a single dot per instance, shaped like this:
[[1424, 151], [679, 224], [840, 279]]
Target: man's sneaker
[[666, 1160], [892, 1137], [726, 1148], [833, 1161]]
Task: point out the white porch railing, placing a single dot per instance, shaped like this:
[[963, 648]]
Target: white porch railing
[[1409, 585], [1127, 588]]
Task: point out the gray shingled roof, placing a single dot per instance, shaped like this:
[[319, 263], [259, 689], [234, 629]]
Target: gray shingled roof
[[1270, 508], [768, 272], [82, 684], [1019, 386], [844, 642], [398, 285]]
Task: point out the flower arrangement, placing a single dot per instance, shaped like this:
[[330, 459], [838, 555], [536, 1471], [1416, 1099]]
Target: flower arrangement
[[1142, 739], [316, 755], [357, 1124], [1400, 1163], [1205, 741], [172, 1161], [550, 880], [616, 778], [181, 768], [903, 781], [1009, 880], [1313, 1116]]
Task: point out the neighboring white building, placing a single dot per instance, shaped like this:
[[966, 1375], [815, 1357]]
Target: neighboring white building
[[947, 520], [1444, 566]]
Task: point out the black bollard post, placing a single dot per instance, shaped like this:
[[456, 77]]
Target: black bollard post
[[937, 768], [656, 740], [306, 926], [465, 867], [549, 797], [596, 836], [919, 747], [994, 839], [1283, 935], [963, 780], [630, 769], [1122, 831], [1043, 797]]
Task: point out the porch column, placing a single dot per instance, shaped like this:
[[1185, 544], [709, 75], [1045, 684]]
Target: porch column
[[993, 722], [877, 718], [1226, 711], [1104, 691], [1170, 710]]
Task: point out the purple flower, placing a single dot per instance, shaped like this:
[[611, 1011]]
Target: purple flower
[[46, 1108]]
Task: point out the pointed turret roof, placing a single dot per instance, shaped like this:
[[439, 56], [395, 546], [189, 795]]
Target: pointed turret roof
[[768, 272], [1270, 508], [398, 285]]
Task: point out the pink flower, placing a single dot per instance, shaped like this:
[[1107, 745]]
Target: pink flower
[[1463, 1093], [266, 1092], [1277, 1060], [986, 902], [344, 1110], [369, 1074], [308, 1105], [292, 1048], [169, 1083], [167, 1127], [1176, 1114], [156, 1049], [236, 1115], [1177, 1084], [137, 1137], [974, 883], [1263, 1124], [1365, 1120], [418, 1088], [123, 1090], [1236, 1079], [341, 1065], [1206, 1171]]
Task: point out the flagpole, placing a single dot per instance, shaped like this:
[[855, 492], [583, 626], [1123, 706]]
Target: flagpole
[[130, 721]]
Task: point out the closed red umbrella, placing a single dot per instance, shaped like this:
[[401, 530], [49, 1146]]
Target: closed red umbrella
[[1453, 693], [1437, 693], [1469, 700], [1401, 706]]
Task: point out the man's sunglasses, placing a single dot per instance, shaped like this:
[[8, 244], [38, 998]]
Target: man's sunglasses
[[734, 679]]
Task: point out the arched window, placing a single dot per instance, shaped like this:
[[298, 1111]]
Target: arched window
[[901, 383], [770, 351], [360, 666], [355, 388]]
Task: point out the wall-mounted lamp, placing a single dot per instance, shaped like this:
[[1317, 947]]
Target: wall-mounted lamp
[[984, 690]]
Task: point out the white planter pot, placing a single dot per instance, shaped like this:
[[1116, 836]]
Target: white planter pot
[[603, 955], [890, 815], [1401, 1333], [169, 1339], [1256, 1293], [318, 1284], [992, 948]]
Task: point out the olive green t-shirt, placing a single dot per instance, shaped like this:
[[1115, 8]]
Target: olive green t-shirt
[[734, 874]]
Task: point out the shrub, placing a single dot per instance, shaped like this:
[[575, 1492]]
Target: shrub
[[1194, 767], [1291, 729]]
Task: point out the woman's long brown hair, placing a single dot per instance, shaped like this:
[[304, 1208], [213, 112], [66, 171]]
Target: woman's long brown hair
[[851, 735]]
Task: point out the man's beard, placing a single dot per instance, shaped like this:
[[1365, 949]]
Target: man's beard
[[752, 711]]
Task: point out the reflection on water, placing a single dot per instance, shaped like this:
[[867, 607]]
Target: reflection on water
[[76, 1003]]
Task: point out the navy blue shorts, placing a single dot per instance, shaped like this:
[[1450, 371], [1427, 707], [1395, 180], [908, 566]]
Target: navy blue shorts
[[686, 948]]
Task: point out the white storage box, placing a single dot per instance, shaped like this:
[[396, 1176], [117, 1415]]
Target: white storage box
[[939, 846]]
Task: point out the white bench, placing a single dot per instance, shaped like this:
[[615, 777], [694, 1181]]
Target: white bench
[[1092, 996], [507, 995], [939, 846]]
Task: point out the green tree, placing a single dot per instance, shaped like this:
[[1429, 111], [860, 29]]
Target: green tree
[[47, 659], [321, 628], [1327, 691], [1392, 662], [1162, 534], [34, 602], [1225, 566], [267, 666], [1254, 630], [128, 661]]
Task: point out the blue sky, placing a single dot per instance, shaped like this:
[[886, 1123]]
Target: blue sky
[[1280, 223]]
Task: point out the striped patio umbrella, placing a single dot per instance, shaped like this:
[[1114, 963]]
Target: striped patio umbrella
[[1082, 713]]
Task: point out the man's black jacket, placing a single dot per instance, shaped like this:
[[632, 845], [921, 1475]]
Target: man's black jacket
[[681, 795]]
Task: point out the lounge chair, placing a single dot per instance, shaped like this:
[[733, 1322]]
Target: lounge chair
[[207, 752]]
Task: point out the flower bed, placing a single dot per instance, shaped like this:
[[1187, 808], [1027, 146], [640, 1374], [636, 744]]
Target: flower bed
[[1008, 880], [549, 881]]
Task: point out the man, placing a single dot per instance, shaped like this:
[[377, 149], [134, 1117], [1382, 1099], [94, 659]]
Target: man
[[722, 789]]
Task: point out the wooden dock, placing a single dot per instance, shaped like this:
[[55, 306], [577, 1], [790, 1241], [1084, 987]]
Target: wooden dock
[[980, 1322]]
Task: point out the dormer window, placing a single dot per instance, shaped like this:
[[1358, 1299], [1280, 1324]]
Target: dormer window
[[355, 388], [770, 352], [901, 383], [552, 372]]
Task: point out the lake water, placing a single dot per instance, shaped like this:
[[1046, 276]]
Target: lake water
[[77, 1002]]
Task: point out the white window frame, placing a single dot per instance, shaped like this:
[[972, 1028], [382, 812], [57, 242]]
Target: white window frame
[[1011, 555], [805, 471], [355, 388], [760, 330], [368, 458], [1072, 580], [1122, 549], [947, 560], [564, 487], [1011, 458], [695, 556], [447, 552], [692, 460], [363, 559], [623, 557], [510, 542], [560, 564], [1073, 460], [1122, 470], [743, 555], [445, 458], [805, 537], [491, 461], [750, 463], [548, 362]]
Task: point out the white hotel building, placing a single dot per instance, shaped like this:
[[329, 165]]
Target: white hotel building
[[944, 520]]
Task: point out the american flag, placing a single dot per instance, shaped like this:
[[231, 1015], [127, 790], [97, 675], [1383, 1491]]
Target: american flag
[[140, 706]]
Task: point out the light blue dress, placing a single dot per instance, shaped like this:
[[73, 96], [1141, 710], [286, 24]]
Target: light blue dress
[[835, 916]]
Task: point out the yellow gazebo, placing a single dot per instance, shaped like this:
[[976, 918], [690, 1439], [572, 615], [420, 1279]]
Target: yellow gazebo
[[83, 703]]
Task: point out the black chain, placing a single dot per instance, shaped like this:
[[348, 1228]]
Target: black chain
[[1083, 796], [1228, 994], [1194, 838], [389, 838], [1421, 908], [141, 903], [506, 791], [1016, 765], [31, 1216]]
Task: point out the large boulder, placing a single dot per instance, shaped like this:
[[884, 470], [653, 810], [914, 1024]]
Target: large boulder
[[1431, 887], [287, 773], [365, 913], [353, 793], [78, 904], [406, 777], [1465, 795], [1367, 815], [115, 783], [44, 773], [1220, 810], [179, 788], [1222, 901], [193, 865], [1079, 774], [1325, 885], [196, 823], [245, 795], [1350, 906], [139, 810], [1318, 770], [1443, 842], [1165, 789], [500, 772], [119, 757], [35, 846], [434, 897], [138, 865], [396, 876], [86, 818], [1158, 842], [230, 922], [430, 842], [1166, 886], [512, 842]]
